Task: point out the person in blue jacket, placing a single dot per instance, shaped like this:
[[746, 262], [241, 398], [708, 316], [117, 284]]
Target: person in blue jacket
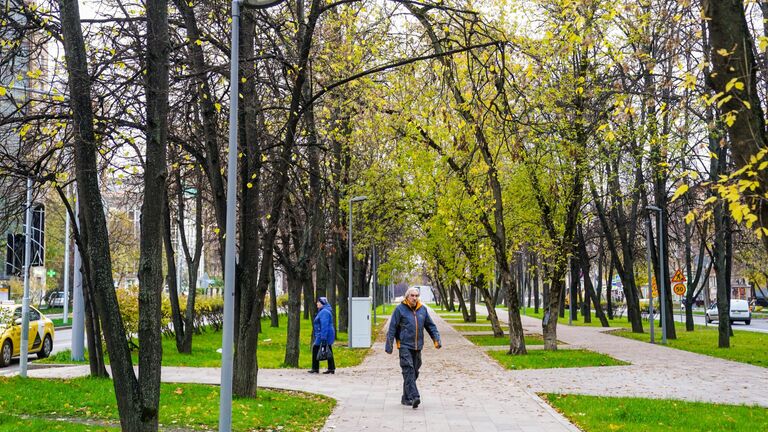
[[406, 328], [324, 335]]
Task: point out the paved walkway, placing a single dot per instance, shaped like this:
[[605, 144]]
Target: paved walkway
[[655, 372], [462, 390]]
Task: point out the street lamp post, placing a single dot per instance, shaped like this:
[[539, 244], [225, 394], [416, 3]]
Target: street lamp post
[[227, 346], [374, 265], [24, 349], [650, 286], [661, 281], [349, 277], [67, 229]]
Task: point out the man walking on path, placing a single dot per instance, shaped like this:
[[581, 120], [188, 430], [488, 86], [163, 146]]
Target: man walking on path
[[406, 328]]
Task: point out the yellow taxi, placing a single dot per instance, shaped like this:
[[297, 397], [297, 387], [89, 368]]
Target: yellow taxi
[[40, 333]]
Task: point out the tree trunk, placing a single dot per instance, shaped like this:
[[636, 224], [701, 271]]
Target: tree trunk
[[150, 272], [609, 291], [536, 281], [273, 314], [729, 32], [516, 333], [589, 289], [93, 220], [193, 264], [456, 289], [573, 300], [246, 367], [170, 263], [557, 288], [492, 316], [294, 321], [472, 303]]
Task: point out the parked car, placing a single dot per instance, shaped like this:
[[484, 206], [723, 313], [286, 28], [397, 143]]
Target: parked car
[[40, 333], [56, 299], [739, 312]]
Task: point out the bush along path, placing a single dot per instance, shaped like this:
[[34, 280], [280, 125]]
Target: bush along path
[[462, 389]]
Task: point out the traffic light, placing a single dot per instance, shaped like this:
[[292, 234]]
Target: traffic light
[[14, 251], [38, 235], [14, 254]]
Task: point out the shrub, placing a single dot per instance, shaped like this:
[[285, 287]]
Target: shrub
[[209, 311]]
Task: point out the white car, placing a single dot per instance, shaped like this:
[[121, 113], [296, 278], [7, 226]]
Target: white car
[[739, 312]]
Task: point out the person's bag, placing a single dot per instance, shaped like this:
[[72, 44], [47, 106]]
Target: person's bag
[[323, 353]]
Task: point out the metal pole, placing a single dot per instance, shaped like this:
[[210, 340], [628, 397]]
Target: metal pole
[[67, 231], [570, 294], [662, 280], [375, 282], [227, 343], [24, 349], [650, 287], [179, 253], [77, 345], [522, 264], [349, 281]]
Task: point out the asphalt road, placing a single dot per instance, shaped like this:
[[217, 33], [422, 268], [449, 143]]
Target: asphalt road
[[757, 325], [62, 340]]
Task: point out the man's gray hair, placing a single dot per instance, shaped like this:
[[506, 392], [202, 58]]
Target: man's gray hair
[[411, 290]]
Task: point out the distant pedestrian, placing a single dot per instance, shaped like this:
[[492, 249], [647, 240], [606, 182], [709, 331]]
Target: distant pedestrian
[[406, 328], [325, 335]]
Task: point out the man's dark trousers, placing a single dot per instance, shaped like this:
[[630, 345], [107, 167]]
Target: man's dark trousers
[[410, 362]]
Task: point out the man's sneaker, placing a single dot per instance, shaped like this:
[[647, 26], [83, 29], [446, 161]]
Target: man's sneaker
[[405, 401], [416, 402], [329, 372], [313, 371]]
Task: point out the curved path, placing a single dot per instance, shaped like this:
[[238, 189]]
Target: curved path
[[462, 390], [655, 371]]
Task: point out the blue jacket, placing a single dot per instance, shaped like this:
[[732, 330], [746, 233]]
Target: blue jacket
[[407, 325], [323, 324]]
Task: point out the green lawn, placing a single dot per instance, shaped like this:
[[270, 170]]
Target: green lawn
[[746, 346], [598, 414], [478, 328], [271, 350], [616, 322], [12, 423], [58, 322], [541, 359], [189, 406], [385, 309], [53, 311], [490, 340]]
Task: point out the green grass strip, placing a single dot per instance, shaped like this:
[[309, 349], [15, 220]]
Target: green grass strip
[[541, 359], [271, 349], [192, 406], [598, 414], [746, 347], [490, 340], [13, 423], [476, 328]]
